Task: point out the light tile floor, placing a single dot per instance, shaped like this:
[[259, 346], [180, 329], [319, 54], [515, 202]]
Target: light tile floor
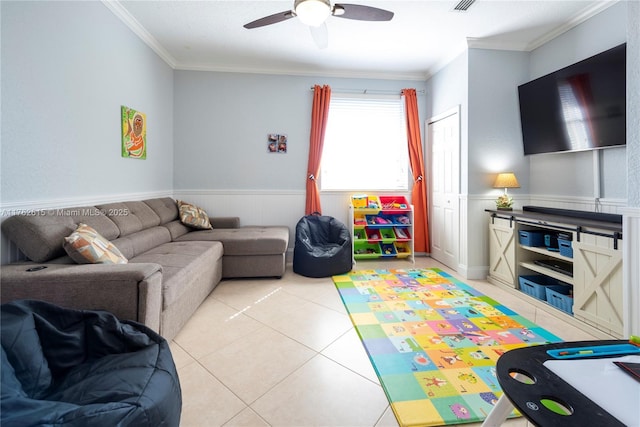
[[283, 352]]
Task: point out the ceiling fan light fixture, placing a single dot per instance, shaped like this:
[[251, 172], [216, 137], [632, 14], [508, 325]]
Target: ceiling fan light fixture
[[312, 12]]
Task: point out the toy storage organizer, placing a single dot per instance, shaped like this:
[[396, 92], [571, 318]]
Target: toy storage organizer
[[382, 227]]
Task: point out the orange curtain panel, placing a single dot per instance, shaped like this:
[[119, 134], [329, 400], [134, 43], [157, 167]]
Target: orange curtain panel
[[416, 160], [319, 115]]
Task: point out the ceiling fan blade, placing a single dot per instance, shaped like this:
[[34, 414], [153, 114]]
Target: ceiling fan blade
[[271, 19], [361, 13], [320, 35]]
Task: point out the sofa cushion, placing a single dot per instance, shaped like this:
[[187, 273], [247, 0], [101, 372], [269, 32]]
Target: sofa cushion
[[254, 240], [177, 228], [166, 208], [40, 234], [181, 263], [130, 216], [141, 241], [87, 246], [94, 218], [193, 216]]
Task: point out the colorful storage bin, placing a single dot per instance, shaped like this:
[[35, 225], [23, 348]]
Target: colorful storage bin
[[402, 233], [388, 249], [379, 220], [359, 201], [387, 235], [401, 219], [393, 202], [403, 249], [366, 250], [384, 234]]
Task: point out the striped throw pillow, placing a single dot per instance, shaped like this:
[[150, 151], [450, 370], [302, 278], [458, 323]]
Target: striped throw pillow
[[193, 216]]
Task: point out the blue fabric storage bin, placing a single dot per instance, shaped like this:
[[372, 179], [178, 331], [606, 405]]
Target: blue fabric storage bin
[[535, 285], [532, 237], [560, 297], [566, 248]]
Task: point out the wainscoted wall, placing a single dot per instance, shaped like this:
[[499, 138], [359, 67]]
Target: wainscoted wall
[[253, 207], [286, 207], [603, 205], [268, 207]]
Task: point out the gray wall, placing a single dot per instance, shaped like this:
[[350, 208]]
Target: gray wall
[[446, 89], [67, 67], [484, 82], [221, 123], [494, 121], [572, 174]]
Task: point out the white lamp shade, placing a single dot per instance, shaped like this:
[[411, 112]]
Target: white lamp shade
[[313, 12]]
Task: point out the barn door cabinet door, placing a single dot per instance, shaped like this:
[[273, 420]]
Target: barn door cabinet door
[[597, 282], [502, 251]]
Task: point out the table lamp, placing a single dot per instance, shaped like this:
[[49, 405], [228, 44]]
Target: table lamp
[[505, 180]]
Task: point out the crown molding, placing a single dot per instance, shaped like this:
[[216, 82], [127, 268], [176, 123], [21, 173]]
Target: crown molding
[[137, 28], [576, 20], [478, 43], [417, 76]]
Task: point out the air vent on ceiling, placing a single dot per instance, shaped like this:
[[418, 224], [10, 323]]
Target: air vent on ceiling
[[464, 5]]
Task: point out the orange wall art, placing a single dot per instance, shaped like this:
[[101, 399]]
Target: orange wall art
[[134, 133]]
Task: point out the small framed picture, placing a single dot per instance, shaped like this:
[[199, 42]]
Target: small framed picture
[[277, 143]]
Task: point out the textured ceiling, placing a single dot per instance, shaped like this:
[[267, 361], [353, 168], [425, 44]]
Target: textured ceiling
[[422, 36]]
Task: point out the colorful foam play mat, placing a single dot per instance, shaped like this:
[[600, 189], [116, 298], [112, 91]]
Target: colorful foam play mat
[[433, 341]]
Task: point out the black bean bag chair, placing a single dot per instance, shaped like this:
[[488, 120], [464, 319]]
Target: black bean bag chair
[[322, 248], [84, 368]]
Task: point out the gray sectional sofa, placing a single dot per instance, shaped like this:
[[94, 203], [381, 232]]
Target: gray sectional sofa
[[171, 268]]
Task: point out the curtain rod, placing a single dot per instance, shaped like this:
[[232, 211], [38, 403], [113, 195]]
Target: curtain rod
[[373, 91]]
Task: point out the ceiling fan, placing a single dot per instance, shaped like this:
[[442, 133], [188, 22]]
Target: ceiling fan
[[315, 12]]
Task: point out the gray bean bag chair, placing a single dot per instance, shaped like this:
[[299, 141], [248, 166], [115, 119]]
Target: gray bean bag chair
[[84, 368], [322, 248]]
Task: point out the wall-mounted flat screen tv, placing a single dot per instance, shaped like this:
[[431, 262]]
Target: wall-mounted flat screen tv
[[580, 107]]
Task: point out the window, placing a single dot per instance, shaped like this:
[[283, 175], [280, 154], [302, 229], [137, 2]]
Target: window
[[365, 144]]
